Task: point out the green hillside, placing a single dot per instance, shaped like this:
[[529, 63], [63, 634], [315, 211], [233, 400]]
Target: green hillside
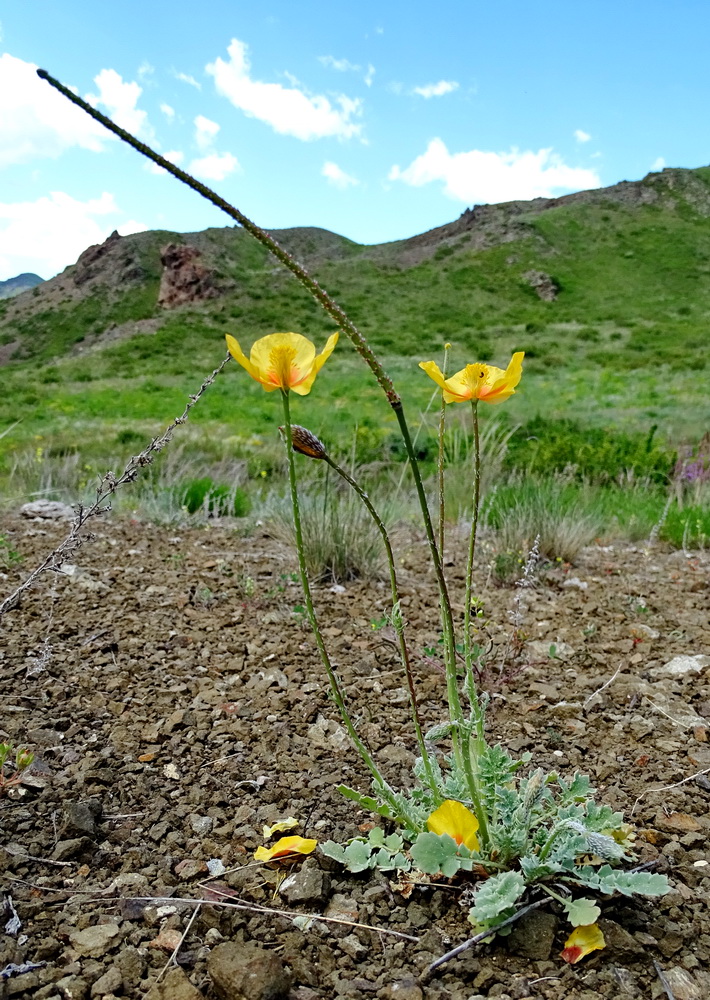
[[93, 365]]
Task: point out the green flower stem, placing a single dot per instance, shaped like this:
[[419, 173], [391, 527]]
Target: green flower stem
[[467, 645], [462, 758], [397, 622], [440, 457], [473, 750], [310, 610]]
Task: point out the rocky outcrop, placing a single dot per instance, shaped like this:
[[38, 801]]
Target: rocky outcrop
[[184, 279], [545, 286], [114, 263]]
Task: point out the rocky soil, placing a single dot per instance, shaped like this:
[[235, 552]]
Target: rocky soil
[[172, 694]]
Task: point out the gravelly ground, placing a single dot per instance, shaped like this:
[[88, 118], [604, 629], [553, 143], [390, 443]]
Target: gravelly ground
[[175, 704]]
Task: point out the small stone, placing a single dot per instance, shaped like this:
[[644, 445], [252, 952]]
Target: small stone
[[73, 988], [574, 581], [174, 986], [131, 965], [201, 825], [618, 940], [533, 936], [682, 984], [310, 885], [682, 666], [403, 989], [244, 971], [66, 849], [353, 947], [81, 817], [108, 983], [93, 942], [190, 867], [677, 822]]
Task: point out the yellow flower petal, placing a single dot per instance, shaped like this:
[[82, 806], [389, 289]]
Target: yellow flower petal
[[455, 819], [284, 847], [305, 387], [239, 355], [283, 361], [581, 942], [478, 380], [280, 827], [433, 371]]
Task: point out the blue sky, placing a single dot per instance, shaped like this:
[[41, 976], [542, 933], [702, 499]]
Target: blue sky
[[375, 120]]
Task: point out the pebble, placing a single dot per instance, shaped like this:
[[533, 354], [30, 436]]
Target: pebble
[[174, 986], [310, 885], [533, 936], [244, 971], [108, 983], [682, 984], [682, 666], [82, 817], [95, 941]]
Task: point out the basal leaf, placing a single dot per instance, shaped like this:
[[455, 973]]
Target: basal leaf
[[496, 894], [581, 911]]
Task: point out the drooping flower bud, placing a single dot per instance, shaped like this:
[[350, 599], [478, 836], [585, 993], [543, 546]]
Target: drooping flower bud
[[305, 442]]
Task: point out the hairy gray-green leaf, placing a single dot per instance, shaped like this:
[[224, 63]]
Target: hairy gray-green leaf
[[495, 895], [582, 911]]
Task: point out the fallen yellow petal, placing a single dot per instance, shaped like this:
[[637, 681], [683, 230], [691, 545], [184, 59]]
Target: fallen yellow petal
[[280, 827], [284, 847], [581, 942], [455, 819]]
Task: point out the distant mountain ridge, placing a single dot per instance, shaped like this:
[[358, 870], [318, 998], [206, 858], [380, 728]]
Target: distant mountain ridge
[[630, 263], [18, 284]]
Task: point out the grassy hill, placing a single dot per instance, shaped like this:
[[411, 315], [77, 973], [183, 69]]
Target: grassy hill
[[92, 364]]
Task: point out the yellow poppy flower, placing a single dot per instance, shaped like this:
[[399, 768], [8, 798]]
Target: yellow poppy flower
[[478, 381], [455, 819], [283, 360], [285, 846], [581, 942]]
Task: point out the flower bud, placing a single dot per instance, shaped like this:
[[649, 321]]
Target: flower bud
[[306, 443]]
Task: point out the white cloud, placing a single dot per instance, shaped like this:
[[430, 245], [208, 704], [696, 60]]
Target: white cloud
[[658, 164], [205, 132], [482, 177], [341, 65], [186, 78], [173, 156], [145, 69], [45, 235], [581, 136], [370, 75], [214, 167], [437, 89], [337, 176], [288, 110], [35, 120], [168, 111], [120, 100]]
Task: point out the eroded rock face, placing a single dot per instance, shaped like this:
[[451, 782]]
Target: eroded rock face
[[184, 278], [545, 286]]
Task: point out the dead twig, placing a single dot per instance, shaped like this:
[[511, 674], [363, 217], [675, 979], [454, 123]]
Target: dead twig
[[108, 485], [178, 946], [459, 949], [599, 690]]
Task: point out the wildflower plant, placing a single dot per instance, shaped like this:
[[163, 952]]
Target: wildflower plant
[[471, 809]]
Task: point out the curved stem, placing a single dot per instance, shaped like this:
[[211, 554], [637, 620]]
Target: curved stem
[[468, 652], [397, 622], [335, 688], [440, 457]]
